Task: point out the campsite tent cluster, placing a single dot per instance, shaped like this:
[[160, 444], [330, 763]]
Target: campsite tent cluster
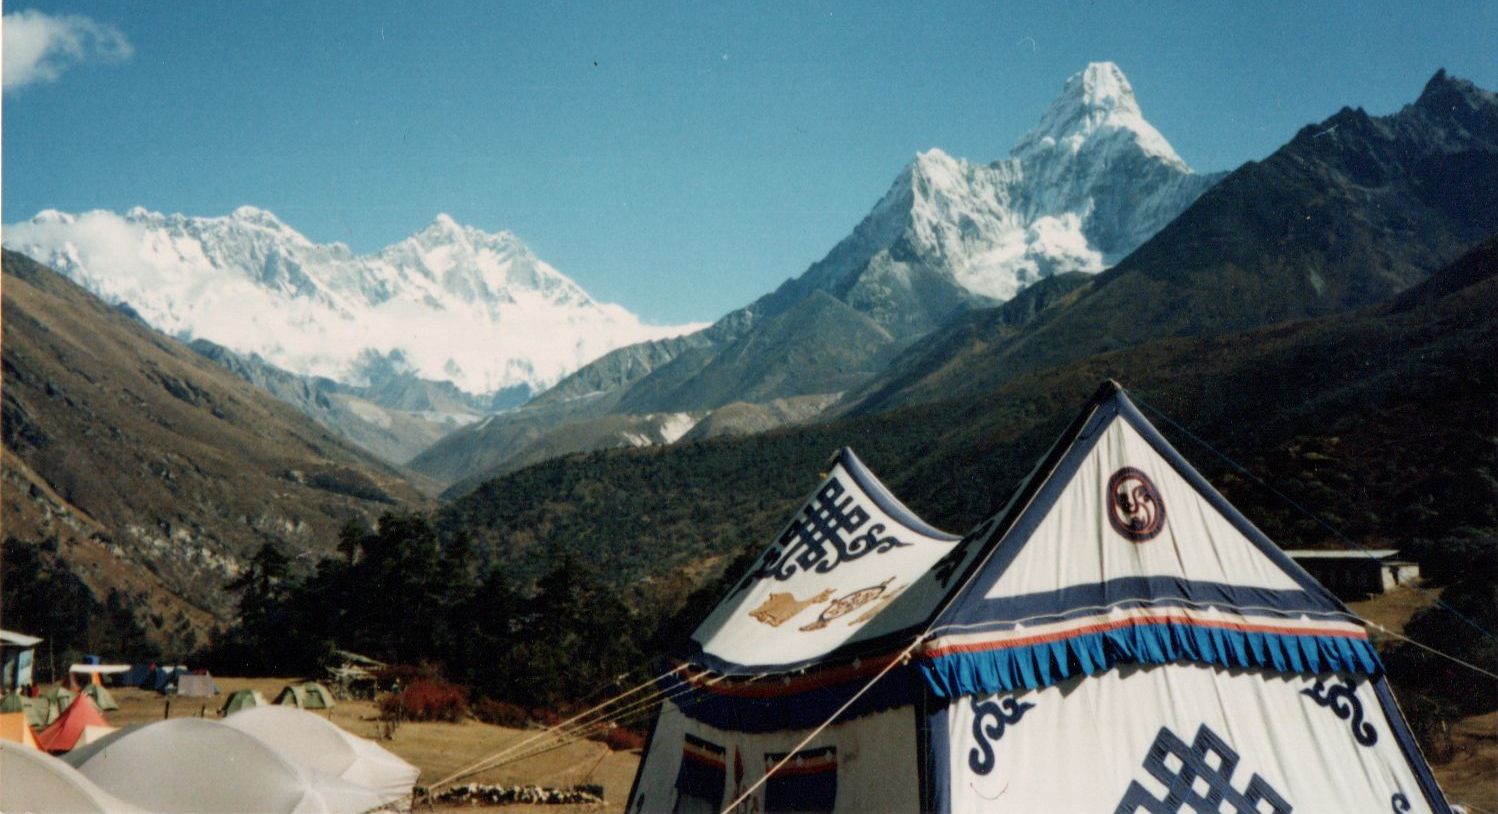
[[1117, 638], [269, 759]]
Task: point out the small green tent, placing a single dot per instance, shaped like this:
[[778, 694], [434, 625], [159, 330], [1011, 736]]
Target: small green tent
[[101, 697], [56, 699], [242, 699], [40, 711], [310, 695]]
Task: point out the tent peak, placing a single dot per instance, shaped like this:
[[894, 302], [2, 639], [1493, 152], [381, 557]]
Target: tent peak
[[1107, 388]]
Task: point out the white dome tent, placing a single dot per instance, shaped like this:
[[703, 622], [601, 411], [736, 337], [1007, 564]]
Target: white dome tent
[[34, 781], [314, 742], [196, 766], [1116, 638]]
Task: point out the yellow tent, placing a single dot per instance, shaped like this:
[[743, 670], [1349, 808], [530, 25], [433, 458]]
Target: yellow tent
[[13, 724]]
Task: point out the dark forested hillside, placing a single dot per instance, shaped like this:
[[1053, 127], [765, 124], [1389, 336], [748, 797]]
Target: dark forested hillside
[[1380, 419]]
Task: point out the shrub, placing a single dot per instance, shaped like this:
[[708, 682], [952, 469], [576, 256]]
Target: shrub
[[426, 699], [621, 739], [501, 713], [404, 675]]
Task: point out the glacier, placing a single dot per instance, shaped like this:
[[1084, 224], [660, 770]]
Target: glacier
[[449, 303]]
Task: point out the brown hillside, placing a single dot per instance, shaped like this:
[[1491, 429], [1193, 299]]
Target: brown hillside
[[153, 470]]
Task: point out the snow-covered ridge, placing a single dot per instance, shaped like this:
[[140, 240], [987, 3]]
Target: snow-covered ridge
[[449, 303], [1086, 186]]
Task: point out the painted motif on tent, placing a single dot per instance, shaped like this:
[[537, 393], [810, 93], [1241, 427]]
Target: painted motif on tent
[[810, 594], [850, 602], [1135, 509], [779, 608], [1342, 699], [1123, 553], [990, 719], [831, 529], [1198, 778], [1177, 738]]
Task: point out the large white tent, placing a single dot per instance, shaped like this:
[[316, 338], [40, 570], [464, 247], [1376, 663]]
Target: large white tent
[[197, 766], [34, 781], [317, 743], [1116, 638]]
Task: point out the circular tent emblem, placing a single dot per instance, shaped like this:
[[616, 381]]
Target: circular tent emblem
[[1134, 506]]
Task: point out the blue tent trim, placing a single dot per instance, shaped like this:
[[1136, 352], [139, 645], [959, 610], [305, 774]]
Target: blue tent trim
[[1009, 669], [799, 710], [888, 503], [1127, 592], [1412, 754]]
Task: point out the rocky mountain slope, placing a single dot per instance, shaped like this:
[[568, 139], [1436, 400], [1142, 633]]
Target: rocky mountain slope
[[1349, 212], [150, 469], [1087, 185]]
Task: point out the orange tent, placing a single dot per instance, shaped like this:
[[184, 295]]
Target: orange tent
[[13, 724], [65, 732]]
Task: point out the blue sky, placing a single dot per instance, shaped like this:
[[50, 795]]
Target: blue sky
[[680, 159]]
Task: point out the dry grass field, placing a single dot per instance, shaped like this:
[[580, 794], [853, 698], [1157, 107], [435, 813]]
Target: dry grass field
[[440, 749]]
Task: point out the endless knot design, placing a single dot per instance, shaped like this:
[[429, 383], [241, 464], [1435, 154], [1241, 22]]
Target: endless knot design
[[1135, 509], [1008, 711], [823, 536], [1342, 699], [1198, 778]]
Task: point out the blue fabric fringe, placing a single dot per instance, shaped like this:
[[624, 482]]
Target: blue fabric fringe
[[1041, 665]]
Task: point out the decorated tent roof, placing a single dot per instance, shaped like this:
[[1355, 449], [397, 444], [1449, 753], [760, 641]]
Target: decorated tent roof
[[1119, 551], [1113, 550], [851, 572], [65, 732]]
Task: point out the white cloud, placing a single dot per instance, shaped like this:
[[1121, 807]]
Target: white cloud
[[39, 47]]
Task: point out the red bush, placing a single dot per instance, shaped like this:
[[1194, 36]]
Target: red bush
[[501, 713], [621, 739], [426, 699], [403, 675]]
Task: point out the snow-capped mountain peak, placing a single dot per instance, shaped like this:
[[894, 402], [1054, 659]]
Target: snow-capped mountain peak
[[1096, 109], [449, 303], [1088, 184]]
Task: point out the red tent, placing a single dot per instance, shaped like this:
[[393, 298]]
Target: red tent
[[63, 734]]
